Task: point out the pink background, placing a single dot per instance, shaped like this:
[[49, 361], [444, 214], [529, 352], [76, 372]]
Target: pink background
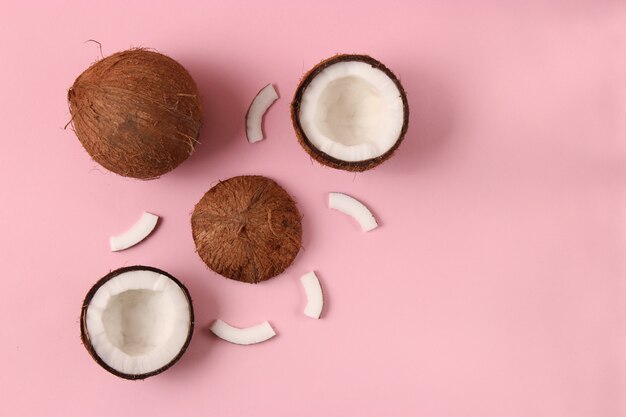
[[495, 286]]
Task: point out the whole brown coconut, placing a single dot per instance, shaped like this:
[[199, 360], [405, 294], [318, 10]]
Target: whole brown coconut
[[137, 113], [247, 228], [342, 119]]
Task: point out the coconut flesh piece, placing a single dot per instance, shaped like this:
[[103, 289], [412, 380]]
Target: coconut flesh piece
[[137, 322], [352, 111], [254, 118], [354, 208], [314, 295], [243, 336], [138, 232]]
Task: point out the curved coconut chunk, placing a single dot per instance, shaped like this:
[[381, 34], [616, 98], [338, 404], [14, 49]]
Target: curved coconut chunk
[[243, 336], [354, 208], [138, 232], [354, 105], [139, 330], [254, 118], [314, 295]]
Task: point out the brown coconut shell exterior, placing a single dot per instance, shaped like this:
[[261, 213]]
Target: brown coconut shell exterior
[[247, 228], [137, 113], [84, 334], [323, 158]]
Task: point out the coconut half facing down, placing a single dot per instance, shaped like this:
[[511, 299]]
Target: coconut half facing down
[[350, 112], [247, 228], [137, 321]]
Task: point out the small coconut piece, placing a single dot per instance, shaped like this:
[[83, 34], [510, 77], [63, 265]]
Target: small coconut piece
[[350, 112], [314, 295], [136, 112], [137, 321], [247, 228], [258, 107], [243, 336], [138, 232], [354, 208]]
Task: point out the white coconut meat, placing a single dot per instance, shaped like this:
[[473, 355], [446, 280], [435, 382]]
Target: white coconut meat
[[254, 118], [243, 336], [352, 111], [138, 321], [353, 208], [137, 232], [314, 295]]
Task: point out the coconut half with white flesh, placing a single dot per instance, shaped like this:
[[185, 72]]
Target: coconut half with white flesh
[[350, 112], [137, 321]]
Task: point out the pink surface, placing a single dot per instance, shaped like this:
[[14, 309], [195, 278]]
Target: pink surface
[[494, 287]]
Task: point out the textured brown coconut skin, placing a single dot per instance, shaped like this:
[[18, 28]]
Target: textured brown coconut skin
[[323, 158], [137, 113], [247, 228], [84, 335]]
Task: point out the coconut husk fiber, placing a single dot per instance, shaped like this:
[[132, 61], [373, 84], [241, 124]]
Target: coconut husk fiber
[[247, 228], [318, 155], [137, 113]]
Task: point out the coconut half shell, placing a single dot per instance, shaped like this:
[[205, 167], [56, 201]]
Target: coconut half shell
[[247, 228], [137, 321], [350, 112], [137, 113]]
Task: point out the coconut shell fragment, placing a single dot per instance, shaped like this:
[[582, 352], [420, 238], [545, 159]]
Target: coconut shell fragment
[[247, 228], [137, 113]]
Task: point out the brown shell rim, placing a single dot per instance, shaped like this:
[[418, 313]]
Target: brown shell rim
[[323, 157], [84, 334]]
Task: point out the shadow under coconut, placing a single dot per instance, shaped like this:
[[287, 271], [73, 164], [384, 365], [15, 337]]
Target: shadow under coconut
[[432, 118], [223, 111]]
